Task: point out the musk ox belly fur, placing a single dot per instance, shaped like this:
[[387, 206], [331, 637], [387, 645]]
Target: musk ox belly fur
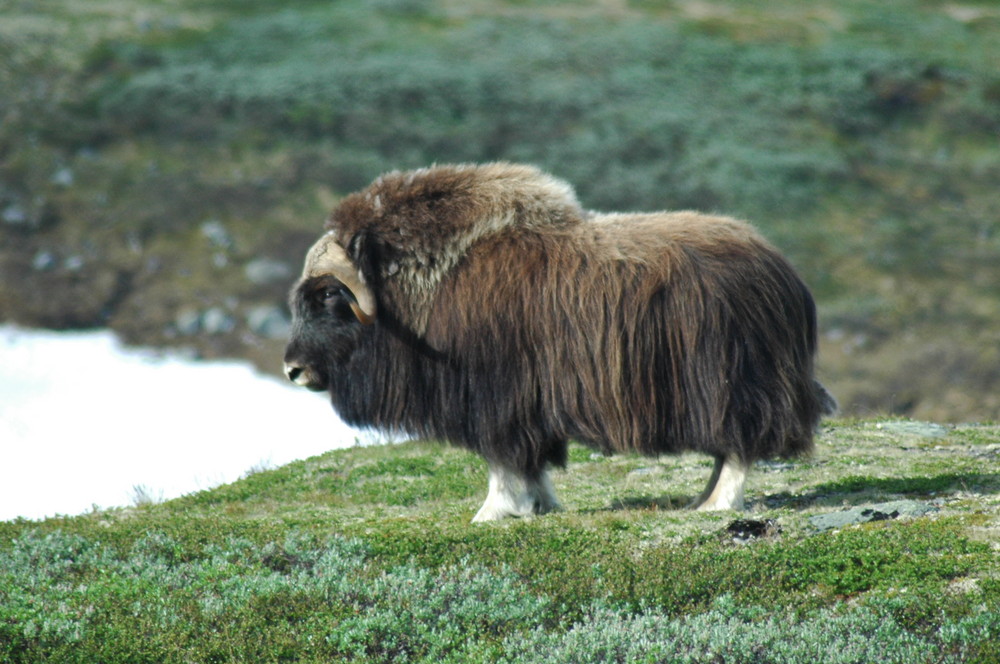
[[482, 305]]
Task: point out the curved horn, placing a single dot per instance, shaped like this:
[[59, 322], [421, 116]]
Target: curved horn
[[326, 257]]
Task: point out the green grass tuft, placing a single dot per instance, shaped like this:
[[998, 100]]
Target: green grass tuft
[[367, 554]]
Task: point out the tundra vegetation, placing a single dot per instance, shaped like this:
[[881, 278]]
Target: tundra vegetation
[[164, 164], [366, 555]]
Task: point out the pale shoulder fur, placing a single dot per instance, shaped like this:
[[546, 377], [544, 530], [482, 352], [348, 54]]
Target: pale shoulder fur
[[425, 221]]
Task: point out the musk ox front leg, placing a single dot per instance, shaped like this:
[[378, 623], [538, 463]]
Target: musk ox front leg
[[725, 486], [515, 493]]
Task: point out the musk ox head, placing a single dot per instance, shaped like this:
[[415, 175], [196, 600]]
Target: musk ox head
[[331, 304], [388, 248]]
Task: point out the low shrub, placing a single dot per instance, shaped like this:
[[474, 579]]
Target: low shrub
[[732, 633], [67, 599]]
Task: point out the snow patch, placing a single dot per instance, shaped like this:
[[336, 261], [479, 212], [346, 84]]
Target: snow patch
[[84, 421]]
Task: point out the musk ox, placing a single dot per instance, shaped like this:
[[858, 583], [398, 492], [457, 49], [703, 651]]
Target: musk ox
[[482, 305]]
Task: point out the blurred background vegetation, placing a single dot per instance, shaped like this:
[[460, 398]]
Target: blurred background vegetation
[[164, 164]]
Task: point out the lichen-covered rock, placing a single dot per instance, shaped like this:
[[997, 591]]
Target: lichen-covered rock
[[913, 428], [866, 513]]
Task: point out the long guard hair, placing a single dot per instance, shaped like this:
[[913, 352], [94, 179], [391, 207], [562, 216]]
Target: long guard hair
[[510, 320]]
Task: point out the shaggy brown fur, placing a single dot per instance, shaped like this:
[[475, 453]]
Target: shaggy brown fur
[[510, 320]]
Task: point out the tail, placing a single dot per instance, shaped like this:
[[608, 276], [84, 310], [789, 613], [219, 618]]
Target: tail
[[827, 402]]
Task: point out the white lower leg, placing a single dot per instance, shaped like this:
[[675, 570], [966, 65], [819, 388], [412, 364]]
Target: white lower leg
[[513, 494], [725, 488], [543, 493]]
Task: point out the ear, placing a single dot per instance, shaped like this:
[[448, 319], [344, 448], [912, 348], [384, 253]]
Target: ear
[[375, 258]]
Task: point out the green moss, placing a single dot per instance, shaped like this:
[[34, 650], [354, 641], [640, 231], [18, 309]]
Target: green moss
[[289, 564]]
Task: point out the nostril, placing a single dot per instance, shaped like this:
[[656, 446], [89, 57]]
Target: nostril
[[293, 372]]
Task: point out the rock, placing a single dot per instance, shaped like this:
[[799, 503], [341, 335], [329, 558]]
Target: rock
[[43, 261], [63, 177], [771, 466], [908, 428], [988, 452], [261, 271], [269, 321], [638, 472], [217, 321], [217, 234], [188, 322], [25, 216], [743, 530], [868, 513], [14, 215]]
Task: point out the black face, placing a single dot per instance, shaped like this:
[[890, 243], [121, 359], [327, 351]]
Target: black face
[[325, 332]]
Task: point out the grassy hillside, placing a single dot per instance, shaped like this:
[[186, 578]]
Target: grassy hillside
[[164, 163], [367, 555]]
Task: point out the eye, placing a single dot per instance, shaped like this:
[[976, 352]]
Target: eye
[[331, 293], [328, 296]]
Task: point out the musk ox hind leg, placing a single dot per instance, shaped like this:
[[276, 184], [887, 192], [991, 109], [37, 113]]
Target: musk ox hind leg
[[515, 493], [725, 486]]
